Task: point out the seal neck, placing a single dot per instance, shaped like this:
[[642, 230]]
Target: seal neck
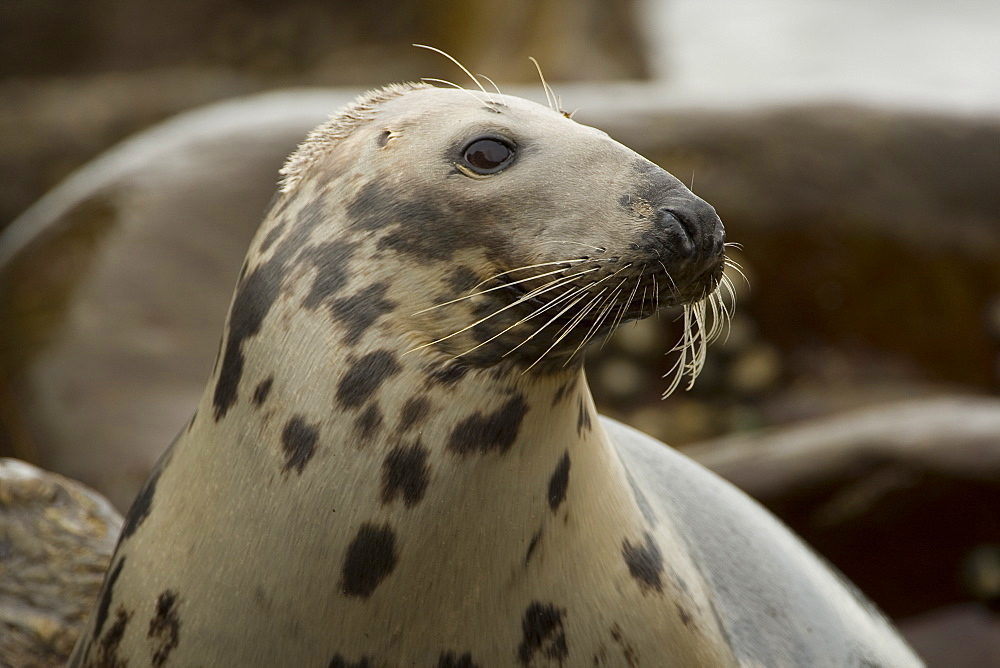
[[505, 468]]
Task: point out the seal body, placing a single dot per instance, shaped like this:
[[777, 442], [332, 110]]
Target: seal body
[[397, 461]]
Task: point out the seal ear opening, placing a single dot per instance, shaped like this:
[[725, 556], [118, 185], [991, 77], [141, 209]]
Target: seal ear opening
[[386, 136]]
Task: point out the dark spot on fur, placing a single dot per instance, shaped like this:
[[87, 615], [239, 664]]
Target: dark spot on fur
[[629, 652], [272, 236], [462, 279], [532, 545], [684, 615], [339, 661], [559, 482], [369, 423], [255, 295], [139, 510], [371, 557], [360, 311], [645, 563], [165, 626], [583, 419], [484, 331], [107, 648], [262, 390], [563, 391], [495, 431], [365, 376], [405, 471], [107, 593], [143, 501], [543, 632], [450, 660], [415, 411], [422, 227], [298, 441], [449, 374], [331, 260]]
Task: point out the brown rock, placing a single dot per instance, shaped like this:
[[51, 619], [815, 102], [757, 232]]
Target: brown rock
[[56, 539]]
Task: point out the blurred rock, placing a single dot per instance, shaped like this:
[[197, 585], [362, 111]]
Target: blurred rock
[[956, 636], [981, 573], [75, 80], [756, 369], [893, 495], [56, 539]]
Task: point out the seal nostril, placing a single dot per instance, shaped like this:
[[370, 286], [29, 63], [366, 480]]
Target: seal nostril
[[683, 229]]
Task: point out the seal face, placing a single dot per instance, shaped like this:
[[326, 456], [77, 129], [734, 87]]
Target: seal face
[[397, 460]]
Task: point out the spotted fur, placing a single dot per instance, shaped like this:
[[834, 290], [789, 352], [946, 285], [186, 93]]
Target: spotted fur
[[398, 461]]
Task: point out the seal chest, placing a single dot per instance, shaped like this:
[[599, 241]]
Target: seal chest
[[397, 460]]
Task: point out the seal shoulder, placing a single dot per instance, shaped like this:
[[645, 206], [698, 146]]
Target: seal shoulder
[[776, 600]]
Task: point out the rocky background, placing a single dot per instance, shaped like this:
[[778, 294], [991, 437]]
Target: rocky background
[[855, 392]]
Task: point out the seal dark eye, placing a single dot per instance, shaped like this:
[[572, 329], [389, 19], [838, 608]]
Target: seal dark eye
[[487, 155]]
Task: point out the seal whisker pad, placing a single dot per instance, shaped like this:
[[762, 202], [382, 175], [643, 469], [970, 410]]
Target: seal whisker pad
[[397, 460]]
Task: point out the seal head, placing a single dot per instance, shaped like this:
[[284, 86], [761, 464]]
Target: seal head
[[496, 196]]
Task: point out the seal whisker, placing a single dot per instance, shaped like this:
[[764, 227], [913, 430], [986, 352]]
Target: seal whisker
[[683, 346], [673, 286], [571, 262], [551, 320], [609, 305], [611, 299], [590, 307], [544, 307], [450, 83], [494, 84], [576, 319], [656, 296], [694, 342], [570, 326], [564, 333], [726, 314], [738, 269], [460, 65], [578, 243], [526, 297], [726, 283], [622, 310], [550, 96], [496, 287], [593, 304]]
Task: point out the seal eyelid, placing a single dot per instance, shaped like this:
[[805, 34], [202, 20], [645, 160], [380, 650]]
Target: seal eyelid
[[486, 155]]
